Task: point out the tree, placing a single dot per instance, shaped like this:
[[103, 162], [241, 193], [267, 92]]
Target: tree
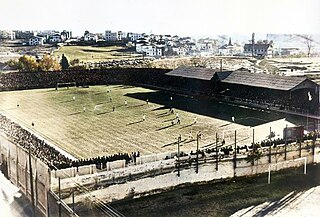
[[27, 64], [307, 40], [13, 63], [64, 62], [49, 63]]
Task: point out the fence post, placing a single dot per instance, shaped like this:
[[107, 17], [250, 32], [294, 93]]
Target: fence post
[[217, 157], [31, 183], [270, 147], [301, 138], [17, 166], [36, 187], [73, 200], [235, 151], [197, 152], [313, 144], [26, 176], [179, 138], [253, 146], [286, 143], [59, 202], [300, 151], [48, 203], [9, 165]]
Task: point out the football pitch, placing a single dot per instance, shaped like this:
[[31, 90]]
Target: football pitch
[[59, 117]]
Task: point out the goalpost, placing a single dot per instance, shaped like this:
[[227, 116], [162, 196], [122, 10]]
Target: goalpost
[[65, 84]]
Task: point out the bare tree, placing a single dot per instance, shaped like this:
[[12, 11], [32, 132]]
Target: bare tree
[[307, 40]]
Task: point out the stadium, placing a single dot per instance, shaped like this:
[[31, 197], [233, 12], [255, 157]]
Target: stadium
[[75, 118], [108, 126]]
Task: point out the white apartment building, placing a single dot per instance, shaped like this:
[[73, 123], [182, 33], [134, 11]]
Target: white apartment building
[[4, 34], [206, 46], [121, 35], [134, 36], [264, 50], [114, 36], [150, 50], [90, 37], [56, 38], [110, 36], [181, 51], [36, 40]]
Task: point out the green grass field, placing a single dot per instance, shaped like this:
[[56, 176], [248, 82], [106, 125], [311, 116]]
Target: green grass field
[[100, 131], [94, 54]]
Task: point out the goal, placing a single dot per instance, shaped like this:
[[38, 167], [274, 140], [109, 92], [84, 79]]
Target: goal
[[66, 85]]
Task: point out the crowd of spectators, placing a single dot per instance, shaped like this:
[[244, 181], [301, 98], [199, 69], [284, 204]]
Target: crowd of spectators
[[39, 148], [101, 162], [118, 63], [228, 150], [48, 154], [297, 101], [34, 80]]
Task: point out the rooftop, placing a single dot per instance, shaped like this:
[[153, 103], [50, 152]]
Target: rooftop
[[257, 46], [193, 72], [264, 80]]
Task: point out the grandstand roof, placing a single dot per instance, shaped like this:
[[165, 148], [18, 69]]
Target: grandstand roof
[[276, 82], [193, 72]]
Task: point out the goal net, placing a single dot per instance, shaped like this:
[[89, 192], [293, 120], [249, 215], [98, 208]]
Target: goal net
[[65, 85]]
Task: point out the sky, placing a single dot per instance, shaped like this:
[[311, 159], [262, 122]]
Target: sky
[[181, 17]]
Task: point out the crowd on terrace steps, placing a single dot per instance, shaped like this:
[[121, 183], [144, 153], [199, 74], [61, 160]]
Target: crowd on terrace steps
[[48, 154], [56, 160], [39, 148]]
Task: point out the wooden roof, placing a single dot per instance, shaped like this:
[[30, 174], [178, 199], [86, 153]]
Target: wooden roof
[[276, 82], [193, 72]]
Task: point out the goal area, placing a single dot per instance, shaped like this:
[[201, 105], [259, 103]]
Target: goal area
[[65, 85]]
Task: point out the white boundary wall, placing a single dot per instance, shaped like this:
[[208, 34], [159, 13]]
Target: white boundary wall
[[150, 184]]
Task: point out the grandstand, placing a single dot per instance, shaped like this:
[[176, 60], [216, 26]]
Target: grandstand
[[294, 93], [297, 94]]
